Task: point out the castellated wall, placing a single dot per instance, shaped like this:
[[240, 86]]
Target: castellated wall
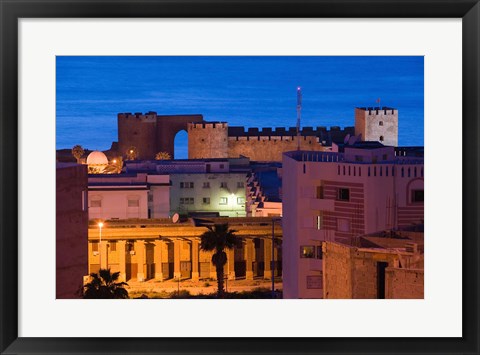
[[269, 148], [377, 124], [268, 145], [138, 130], [208, 140]]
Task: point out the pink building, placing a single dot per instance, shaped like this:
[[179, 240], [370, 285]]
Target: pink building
[[359, 188]]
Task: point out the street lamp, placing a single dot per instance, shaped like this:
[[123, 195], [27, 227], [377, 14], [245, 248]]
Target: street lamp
[[100, 225]]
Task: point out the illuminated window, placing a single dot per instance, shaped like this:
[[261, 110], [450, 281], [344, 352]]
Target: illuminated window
[[307, 251], [319, 221], [223, 200], [240, 200]]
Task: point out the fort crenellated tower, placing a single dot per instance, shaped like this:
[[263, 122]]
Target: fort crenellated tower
[[377, 124], [208, 140]]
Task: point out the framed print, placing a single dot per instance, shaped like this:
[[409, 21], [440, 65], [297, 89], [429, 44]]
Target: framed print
[[48, 52]]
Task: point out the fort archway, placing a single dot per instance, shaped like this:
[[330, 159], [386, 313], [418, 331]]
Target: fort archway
[[169, 126], [181, 145], [150, 133]]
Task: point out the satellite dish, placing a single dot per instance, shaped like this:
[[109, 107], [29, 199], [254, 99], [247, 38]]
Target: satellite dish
[[175, 218], [347, 137]]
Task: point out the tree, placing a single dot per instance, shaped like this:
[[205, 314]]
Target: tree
[[163, 156], [132, 153], [218, 238], [114, 166], [104, 285], [77, 152]]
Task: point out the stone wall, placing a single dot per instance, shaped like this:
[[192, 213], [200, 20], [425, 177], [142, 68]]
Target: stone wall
[[337, 271], [404, 283]]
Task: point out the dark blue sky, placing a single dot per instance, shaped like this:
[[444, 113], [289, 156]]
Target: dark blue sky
[[248, 91]]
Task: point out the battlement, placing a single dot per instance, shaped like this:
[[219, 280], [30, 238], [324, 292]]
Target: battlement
[[147, 117], [208, 125], [379, 110], [240, 131]]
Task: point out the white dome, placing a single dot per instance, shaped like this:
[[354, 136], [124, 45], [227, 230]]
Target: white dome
[[97, 158]]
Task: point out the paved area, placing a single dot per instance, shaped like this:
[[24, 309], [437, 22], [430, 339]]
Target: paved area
[[149, 287]]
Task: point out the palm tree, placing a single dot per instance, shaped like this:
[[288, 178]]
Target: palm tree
[[218, 238], [77, 152], [132, 153], [104, 285], [163, 156]]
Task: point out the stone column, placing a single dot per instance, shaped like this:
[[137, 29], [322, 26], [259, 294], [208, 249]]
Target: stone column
[[267, 257], [103, 250], [177, 243], [122, 260], [194, 259], [140, 252], [231, 264], [249, 259], [157, 259]]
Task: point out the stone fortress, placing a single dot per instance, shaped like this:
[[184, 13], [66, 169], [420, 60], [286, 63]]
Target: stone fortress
[[151, 133]]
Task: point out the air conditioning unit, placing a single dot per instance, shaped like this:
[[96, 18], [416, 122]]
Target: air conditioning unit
[[132, 252], [95, 253]]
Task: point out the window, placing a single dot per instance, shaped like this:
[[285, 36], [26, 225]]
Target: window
[[343, 194], [240, 200], [186, 185], [307, 251], [222, 166], [224, 185], [319, 252], [206, 200], [130, 247], [240, 185], [186, 200], [358, 158], [113, 246], [384, 156], [380, 123], [150, 198], [319, 221], [132, 203], [381, 138], [223, 200], [343, 225], [417, 196], [95, 246], [320, 192], [206, 185], [96, 203]]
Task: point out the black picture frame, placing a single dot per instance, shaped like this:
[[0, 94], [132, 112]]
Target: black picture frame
[[11, 11]]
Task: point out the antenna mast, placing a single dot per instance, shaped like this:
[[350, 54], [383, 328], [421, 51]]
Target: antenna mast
[[299, 114]]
